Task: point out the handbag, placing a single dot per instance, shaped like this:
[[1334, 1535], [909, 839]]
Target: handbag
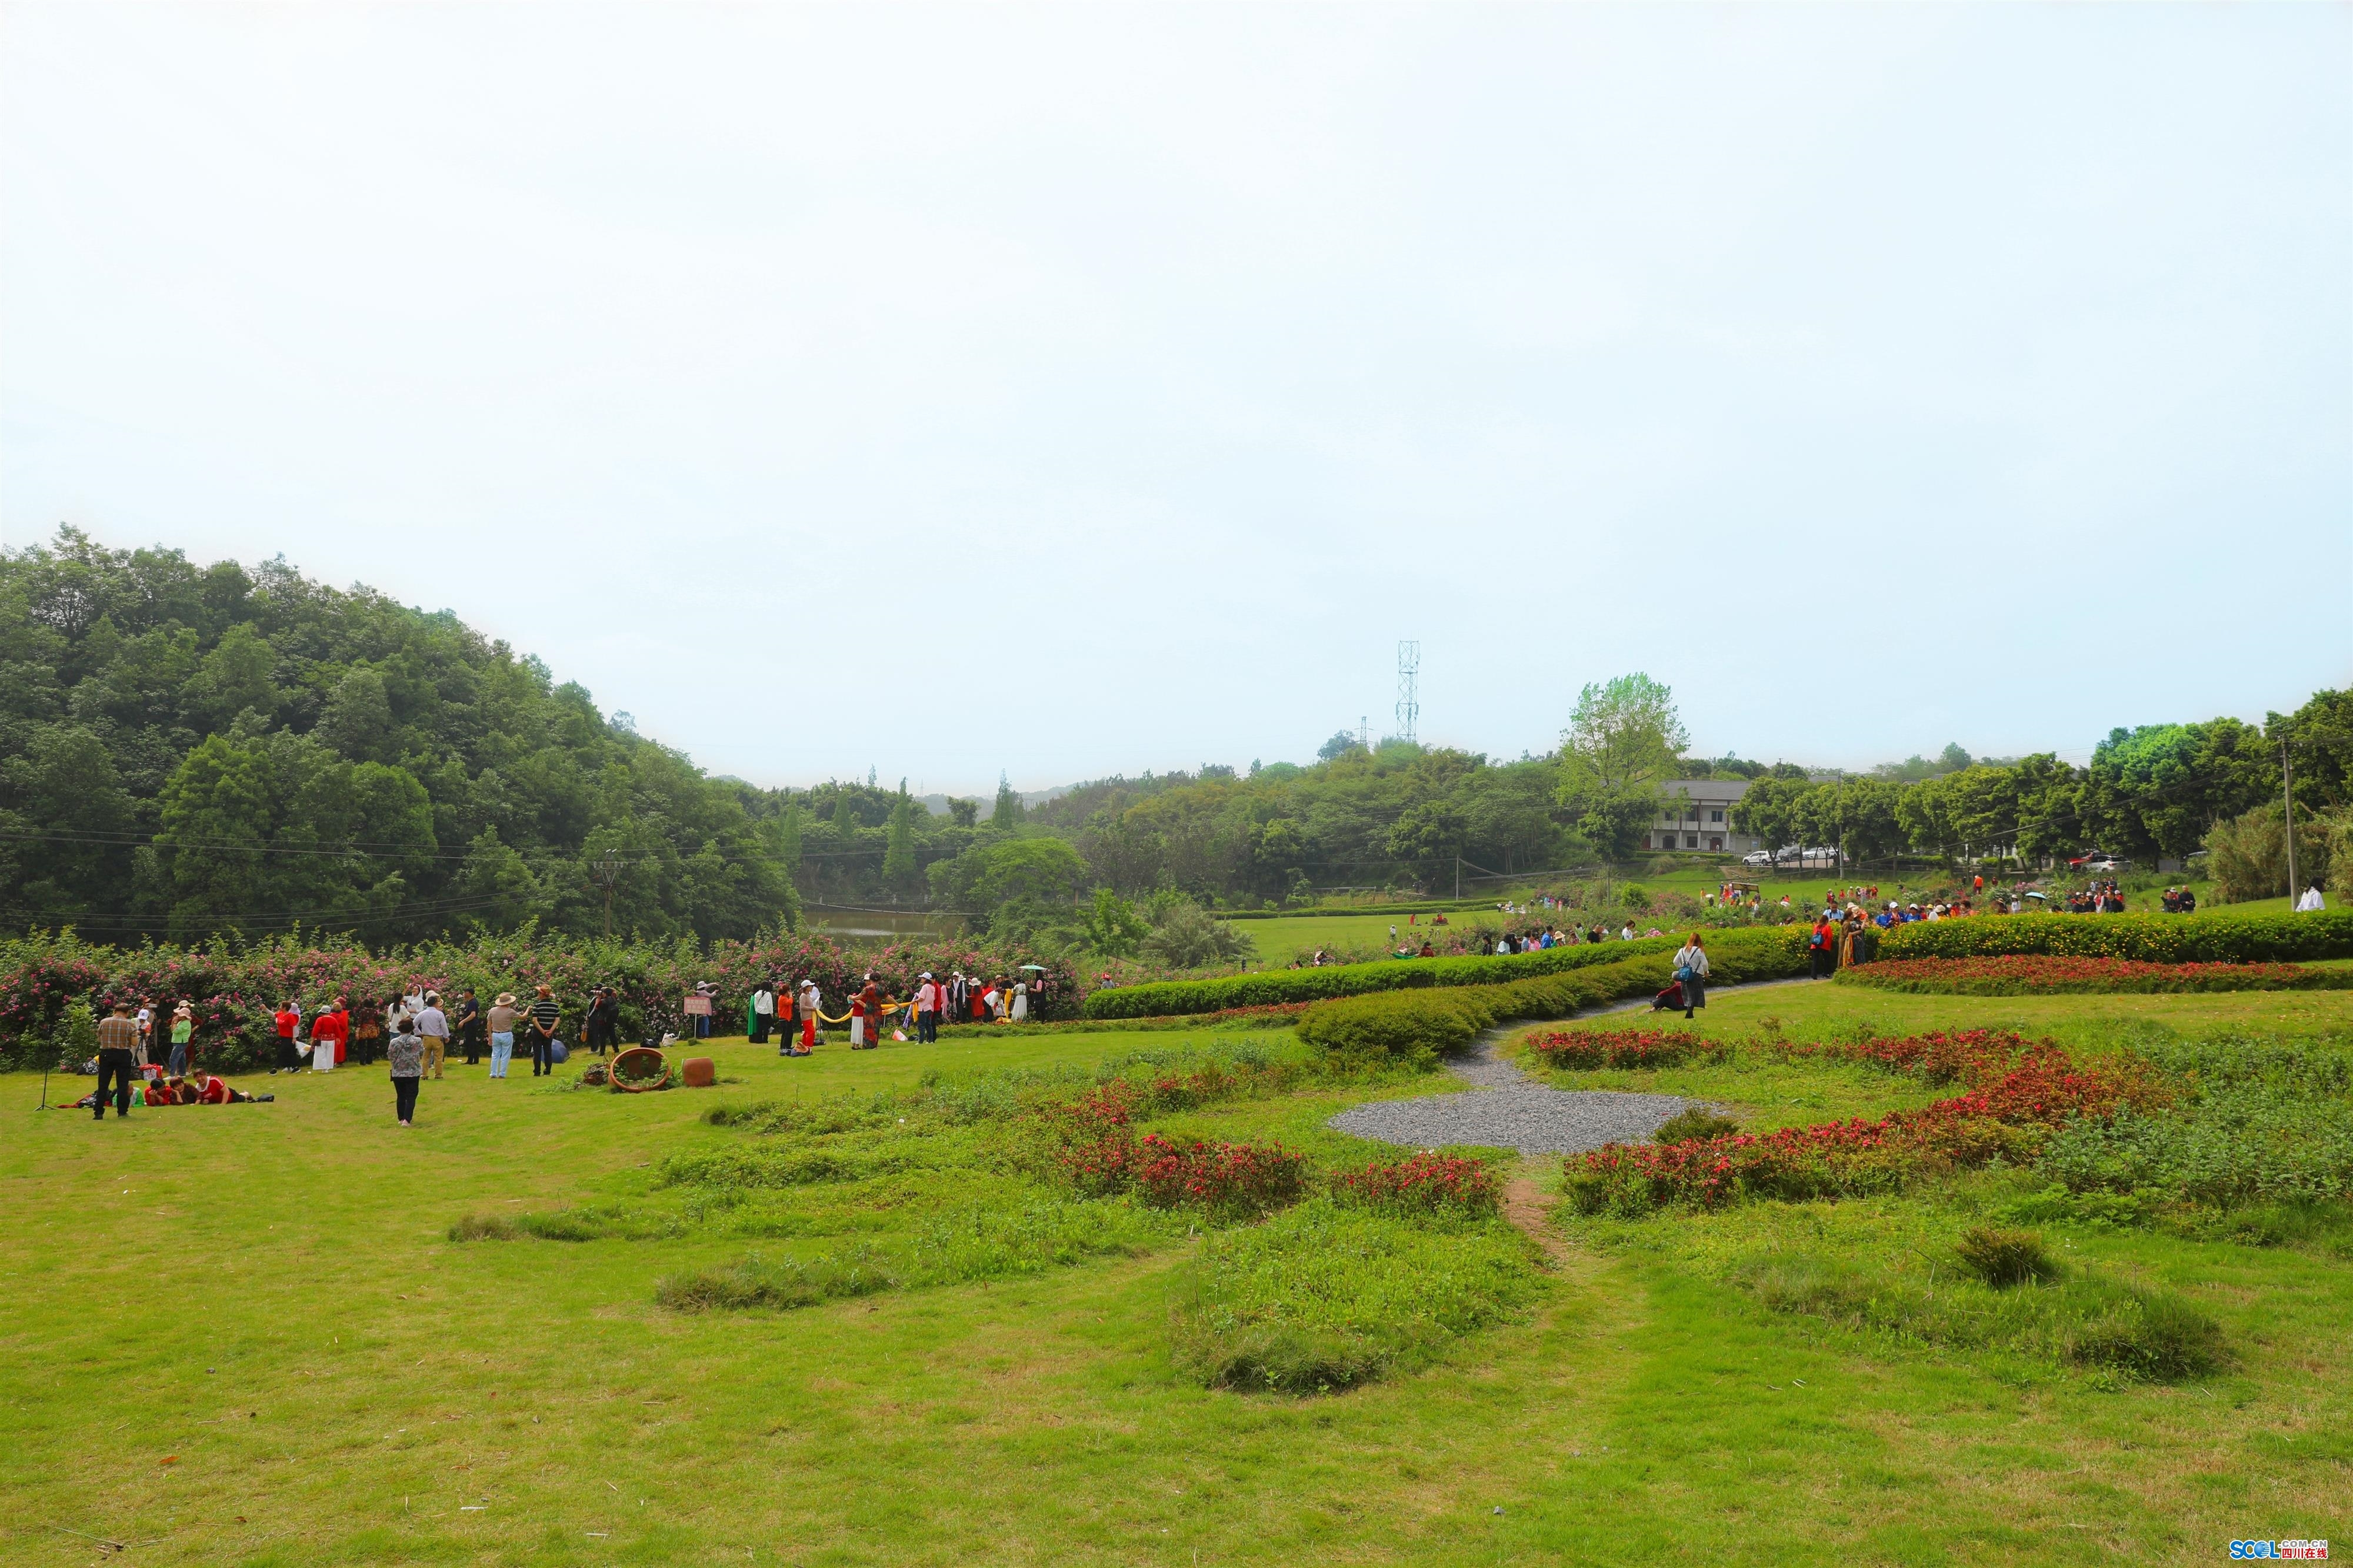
[[1683, 972]]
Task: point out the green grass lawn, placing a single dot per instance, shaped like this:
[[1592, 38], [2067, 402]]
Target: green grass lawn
[[265, 1296]]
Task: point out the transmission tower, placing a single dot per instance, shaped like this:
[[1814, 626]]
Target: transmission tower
[[1408, 711]]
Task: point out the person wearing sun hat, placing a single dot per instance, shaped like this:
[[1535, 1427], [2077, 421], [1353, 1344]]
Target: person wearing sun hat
[[501, 1021], [184, 1029], [927, 1008]]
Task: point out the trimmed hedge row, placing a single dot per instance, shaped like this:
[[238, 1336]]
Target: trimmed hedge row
[[2145, 939], [1170, 998], [1419, 1026]]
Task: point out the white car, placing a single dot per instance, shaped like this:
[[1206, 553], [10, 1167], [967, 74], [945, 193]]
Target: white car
[[1758, 857], [2106, 863]]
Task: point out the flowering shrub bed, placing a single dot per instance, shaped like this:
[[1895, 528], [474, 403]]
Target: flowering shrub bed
[[1423, 1184], [1938, 1057], [2145, 939], [236, 987], [1096, 1150], [1751, 954], [2038, 975], [1623, 1047], [1228, 1180], [2014, 1104]]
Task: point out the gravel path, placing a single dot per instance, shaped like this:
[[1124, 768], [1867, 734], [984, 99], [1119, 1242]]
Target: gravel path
[[1507, 1109]]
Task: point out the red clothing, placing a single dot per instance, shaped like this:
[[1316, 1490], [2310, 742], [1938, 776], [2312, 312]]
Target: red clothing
[[289, 1022], [335, 1026], [214, 1092]]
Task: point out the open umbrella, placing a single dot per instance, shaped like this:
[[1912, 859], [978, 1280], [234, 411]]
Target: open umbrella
[[1039, 967]]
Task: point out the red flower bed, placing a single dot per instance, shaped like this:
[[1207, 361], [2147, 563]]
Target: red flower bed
[[2039, 975], [2016, 1098], [1432, 1184], [1098, 1153], [1570, 1048], [1939, 1057], [1224, 1178]]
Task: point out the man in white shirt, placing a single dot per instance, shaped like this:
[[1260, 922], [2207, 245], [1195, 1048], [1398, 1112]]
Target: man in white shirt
[[764, 1012], [927, 1010], [810, 999], [429, 1024]]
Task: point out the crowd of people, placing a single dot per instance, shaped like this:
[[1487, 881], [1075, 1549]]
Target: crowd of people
[[795, 1010]]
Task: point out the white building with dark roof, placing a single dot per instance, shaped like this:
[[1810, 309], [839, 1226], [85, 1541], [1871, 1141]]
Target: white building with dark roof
[[1695, 815]]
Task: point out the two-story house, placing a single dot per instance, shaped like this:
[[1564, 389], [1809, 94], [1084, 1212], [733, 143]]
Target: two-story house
[[1696, 814]]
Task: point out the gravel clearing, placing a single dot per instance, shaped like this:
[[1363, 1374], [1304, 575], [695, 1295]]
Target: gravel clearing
[[1505, 1108], [1508, 1110]]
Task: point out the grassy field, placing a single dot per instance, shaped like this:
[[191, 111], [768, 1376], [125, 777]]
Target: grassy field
[[244, 1335]]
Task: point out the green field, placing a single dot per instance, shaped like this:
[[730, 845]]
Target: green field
[[244, 1335]]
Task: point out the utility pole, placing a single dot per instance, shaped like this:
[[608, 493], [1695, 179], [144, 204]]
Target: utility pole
[[2287, 792], [606, 870], [1409, 711]]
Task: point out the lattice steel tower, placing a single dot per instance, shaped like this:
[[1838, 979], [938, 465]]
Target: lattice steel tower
[[1408, 711]]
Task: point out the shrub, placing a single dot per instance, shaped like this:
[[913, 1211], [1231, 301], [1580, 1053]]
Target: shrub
[[2085, 1320], [2008, 1115], [2248, 854], [1694, 1121], [1771, 952], [1188, 936], [2037, 975], [2146, 939], [1413, 1023], [1321, 1298], [2153, 1334], [2004, 1258], [1231, 1181], [1427, 1184], [1579, 1048], [1415, 1028], [2235, 1145], [485, 1228], [788, 1283]]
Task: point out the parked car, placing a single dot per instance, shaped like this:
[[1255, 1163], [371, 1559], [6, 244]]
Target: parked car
[[1758, 857], [2107, 863]]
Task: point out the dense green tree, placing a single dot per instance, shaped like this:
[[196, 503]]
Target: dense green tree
[[297, 753], [1620, 747]]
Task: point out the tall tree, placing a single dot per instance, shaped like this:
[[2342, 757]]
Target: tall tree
[[1619, 750], [899, 858]]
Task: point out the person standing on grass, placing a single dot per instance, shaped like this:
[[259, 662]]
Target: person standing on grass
[[605, 1020], [469, 1025], [118, 1044], [432, 1026], [541, 1018], [184, 1030], [811, 998], [501, 1023], [407, 1054], [328, 1033], [289, 1022]]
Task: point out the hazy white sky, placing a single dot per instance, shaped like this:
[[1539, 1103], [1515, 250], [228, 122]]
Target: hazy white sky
[[1071, 391]]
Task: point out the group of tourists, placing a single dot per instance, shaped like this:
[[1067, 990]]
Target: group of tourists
[[795, 1010], [126, 1078], [166, 1041]]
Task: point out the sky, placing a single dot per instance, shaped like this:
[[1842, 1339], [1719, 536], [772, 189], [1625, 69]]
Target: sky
[[1069, 391]]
